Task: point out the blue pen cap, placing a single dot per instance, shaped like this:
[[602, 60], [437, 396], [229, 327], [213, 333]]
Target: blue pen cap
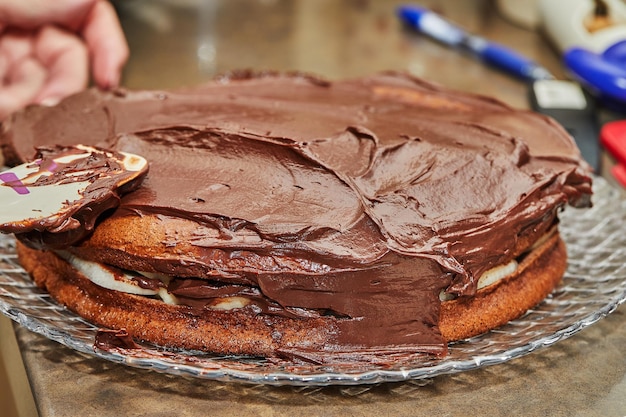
[[411, 15], [431, 24]]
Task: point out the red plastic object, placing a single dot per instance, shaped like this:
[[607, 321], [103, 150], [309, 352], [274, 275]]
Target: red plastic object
[[619, 173], [613, 138]]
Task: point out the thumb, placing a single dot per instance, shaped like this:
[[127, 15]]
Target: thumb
[[66, 59], [107, 44]]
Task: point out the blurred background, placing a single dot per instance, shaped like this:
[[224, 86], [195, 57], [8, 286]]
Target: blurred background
[[185, 42]]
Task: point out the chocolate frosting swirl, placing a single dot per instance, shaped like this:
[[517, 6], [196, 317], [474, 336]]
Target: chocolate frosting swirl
[[353, 176]]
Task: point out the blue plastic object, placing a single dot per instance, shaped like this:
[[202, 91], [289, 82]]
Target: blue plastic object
[[497, 55], [604, 74]]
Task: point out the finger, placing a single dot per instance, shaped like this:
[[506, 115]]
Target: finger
[[16, 45], [24, 81], [67, 60], [17, 67], [4, 68], [106, 41], [34, 13]]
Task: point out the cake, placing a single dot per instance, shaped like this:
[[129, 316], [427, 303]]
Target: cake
[[287, 216]]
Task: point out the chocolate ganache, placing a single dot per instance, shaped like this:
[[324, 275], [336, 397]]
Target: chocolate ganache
[[360, 199]]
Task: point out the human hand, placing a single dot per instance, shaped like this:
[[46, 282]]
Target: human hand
[[48, 49]]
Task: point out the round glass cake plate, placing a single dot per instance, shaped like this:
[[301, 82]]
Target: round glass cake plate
[[594, 285]]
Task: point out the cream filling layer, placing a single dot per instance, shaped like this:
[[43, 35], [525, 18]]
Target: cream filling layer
[[117, 280], [489, 277], [500, 272], [106, 277]]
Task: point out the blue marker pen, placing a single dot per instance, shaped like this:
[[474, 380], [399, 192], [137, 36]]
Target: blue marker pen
[[435, 26]]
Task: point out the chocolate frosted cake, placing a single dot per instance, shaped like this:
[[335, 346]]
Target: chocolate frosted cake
[[291, 217]]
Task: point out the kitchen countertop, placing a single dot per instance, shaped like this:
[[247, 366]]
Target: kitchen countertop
[[172, 46]]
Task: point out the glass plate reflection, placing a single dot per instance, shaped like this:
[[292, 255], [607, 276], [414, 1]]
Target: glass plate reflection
[[594, 285]]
